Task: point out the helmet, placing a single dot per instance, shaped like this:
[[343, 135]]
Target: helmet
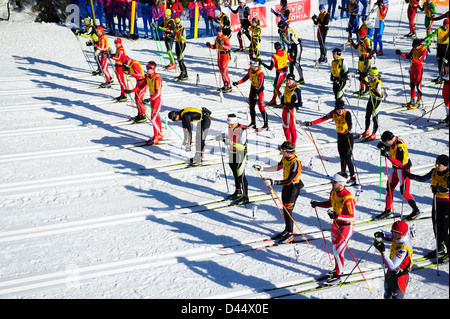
[[101, 28], [217, 13], [337, 51], [118, 40], [387, 136], [416, 42], [277, 45], [400, 227], [177, 20]]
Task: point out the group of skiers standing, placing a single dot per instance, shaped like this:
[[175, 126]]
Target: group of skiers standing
[[286, 59]]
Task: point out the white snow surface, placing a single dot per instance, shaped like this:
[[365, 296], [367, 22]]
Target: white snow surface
[[84, 214]]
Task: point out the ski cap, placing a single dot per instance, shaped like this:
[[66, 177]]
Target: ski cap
[[118, 40], [446, 21], [442, 159], [217, 13], [337, 51], [362, 32], [339, 179], [173, 114], [387, 136], [322, 7], [87, 19], [400, 227], [277, 45], [219, 29], [416, 42], [290, 76], [373, 71], [100, 28], [232, 119], [177, 20], [254, 63], [339, 105], [168, 12], [287, 146]]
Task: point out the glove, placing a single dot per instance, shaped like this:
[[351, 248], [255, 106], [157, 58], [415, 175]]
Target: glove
[[379, 235], [235, 83], [307, 123], [347, 132], [398, 52], [385, 153], [315, 204], [258, 167], [406, 173], [333, 215], [208, 44], [379, 245], [268, 181], [126, 91], [380, 145], [89, 43], [438, 189]]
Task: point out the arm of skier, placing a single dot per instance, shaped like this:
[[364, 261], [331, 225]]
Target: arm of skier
[[323, 118], [396, 262], [295, 169]]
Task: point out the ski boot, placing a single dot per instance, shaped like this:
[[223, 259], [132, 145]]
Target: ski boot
[[241, 200], [371, 137], [170, 66], [288, 237], [363, 135], [155, 139], [414, 214], [105, 85], [383, 215], [227, 89], [407, 105], [139, 118], [351, 181], [121, 98], [235, 195]]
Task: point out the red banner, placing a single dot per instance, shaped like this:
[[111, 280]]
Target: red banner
[[300, 10], [258, 12]]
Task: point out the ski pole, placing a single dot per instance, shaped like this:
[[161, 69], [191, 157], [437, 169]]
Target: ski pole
[[276, 204], [85, 54], [403, 81], [436, 233], [223, 165], [289, 214], [326, 246], [128, 85], [214, 69], [426, 113], [157, 43], [391, 194], [353, 158], [440, 86], [318, 152], [356, 265], [346, 244]]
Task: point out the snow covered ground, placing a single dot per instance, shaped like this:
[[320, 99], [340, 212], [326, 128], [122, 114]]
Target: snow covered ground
[[87, 213]]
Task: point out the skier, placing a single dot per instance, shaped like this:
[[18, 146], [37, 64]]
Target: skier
[[120, 57], [382, 10], [395, 150], [291, 182], [368, 26], [398, 262], [255, 47], [442, 54], [256, 95], [343, 211], [440, 185], [224, 21], [154, 83], [91, 33], [373, 104], [430, 10], [339, 74], [102, 51], [417, 56], [279, 61], [446, 91], [322, 22], [284, 14], [294, 48], [237, 146], [135, 69], [190, 115], [343, 121], [168, 27], [243, 12], [364, 46], [291, 100], [353, 21], [222, 44], [412, 11], [180, 47]]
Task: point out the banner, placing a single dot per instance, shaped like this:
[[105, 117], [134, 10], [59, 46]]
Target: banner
[[300, 10], [258, 12]]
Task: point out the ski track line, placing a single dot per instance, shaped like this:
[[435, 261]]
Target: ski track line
[[59, 278], [109, 221]]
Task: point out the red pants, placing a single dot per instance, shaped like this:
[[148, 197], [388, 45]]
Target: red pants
[[411, 15], [121, 78], [445, 94], [154, 117], [139, 92], [404, 188], [340, 236], [288, 122], [279, 79], [104, 64], [415, 78], [222, 61]]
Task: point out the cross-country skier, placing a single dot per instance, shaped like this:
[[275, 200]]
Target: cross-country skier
[[190, 115], [135, 69], [430, 11], [102, 51], [395, 150], [291, 182], [154, 83], [339, 74], [322, 22], [237, 146], [381, 10], [398, 261], [364, 47], [222, 45], [417, 56], [224, 21], [91, 33], [279, 61], [255, 42], [446, 91], [343, 211], [291, 100], [168, 27], [256, 95], [412, 11], [373, 104], [180, 47], [243, 12], [353, 21], [294, 48], [284, 14], [440, 184], [120, 57], [442, 52], [343, 121]]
